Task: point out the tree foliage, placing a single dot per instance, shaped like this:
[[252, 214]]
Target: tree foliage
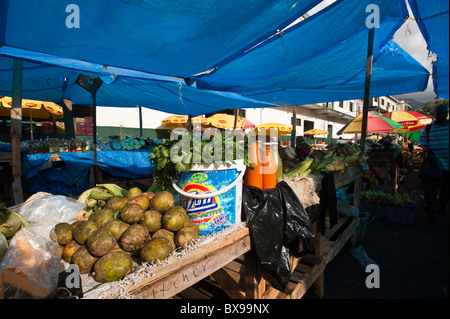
[[428, 108]]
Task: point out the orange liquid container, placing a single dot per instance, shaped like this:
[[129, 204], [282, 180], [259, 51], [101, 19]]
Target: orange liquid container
[[269, 169], [254, 178]]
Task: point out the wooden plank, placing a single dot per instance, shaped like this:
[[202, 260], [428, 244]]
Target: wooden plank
[[229, 283], [319, 251], [255, 285], [313, 278], [336, 246], [5, 157], [350, 174], [171, 279], [191, 293], [304, 268], [236, 267]]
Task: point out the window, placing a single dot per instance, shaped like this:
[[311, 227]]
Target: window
[[341, 104], [382, 101], [309, 125], [298, 122], [351, 107]]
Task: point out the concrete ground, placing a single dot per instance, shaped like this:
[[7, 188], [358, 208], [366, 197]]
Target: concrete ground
[[413, 259]]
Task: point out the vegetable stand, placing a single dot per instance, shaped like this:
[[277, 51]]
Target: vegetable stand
[[168, 279], [227, 262], [308, 270]]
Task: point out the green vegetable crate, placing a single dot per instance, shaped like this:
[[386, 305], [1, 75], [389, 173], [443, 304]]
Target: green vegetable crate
[[403, 214]]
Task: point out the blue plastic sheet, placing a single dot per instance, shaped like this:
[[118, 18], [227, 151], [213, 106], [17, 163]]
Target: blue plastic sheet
[[71, 174], [129, 164], [323, 59], [33, 163], [55, 80], [178, 37], [432, 19]]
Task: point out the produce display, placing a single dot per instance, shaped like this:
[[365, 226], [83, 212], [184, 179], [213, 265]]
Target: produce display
[[384, 144], [60, 145], [10, 222], [119, 225], [170, 160], [375, 196], [335, 157]]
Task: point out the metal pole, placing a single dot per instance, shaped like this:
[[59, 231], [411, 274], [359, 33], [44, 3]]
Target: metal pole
[[367, 90], [16, 131], [140, 121], [94, 134], [294, 127]]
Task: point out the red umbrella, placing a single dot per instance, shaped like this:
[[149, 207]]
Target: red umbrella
[[247, 124], [408, 118]]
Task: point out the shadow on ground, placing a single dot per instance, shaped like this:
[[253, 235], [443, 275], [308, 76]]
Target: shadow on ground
[[413, 259]]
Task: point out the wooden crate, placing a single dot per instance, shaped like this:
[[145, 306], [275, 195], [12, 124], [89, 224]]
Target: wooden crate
[[167, 280]]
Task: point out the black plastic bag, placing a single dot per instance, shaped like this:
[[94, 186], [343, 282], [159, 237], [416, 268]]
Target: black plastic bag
[[278, 223]]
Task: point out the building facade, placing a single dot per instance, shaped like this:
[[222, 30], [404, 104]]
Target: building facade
[[331, 117]]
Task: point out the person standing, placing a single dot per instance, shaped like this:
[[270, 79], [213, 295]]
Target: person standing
[[435, 138]]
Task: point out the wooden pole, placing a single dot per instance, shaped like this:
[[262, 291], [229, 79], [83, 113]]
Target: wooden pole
[[68, 118], [294, 127], [16, 131], [367, 90]]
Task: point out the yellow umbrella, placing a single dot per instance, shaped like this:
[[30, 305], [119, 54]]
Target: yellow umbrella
[[33, 109], [280, 129], [175, 120], [315, 131], [225, 121]]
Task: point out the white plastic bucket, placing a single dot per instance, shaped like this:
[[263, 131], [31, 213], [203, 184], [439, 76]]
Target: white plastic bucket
[[212, 195]]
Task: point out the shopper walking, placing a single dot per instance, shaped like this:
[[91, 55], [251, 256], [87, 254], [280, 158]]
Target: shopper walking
[[435, 138]]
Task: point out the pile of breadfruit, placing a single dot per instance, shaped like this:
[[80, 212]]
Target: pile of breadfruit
[[130, 224]]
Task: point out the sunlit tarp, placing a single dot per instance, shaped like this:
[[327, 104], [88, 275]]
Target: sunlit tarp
[[432, 19], [121, 87], [146, 52], [323, 59], [177, 37]]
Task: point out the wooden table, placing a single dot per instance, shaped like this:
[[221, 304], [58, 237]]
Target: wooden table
[[166, 280], [230, 264], [242, 277]]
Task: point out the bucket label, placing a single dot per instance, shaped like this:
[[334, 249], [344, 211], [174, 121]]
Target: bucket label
[[199, 177], [207, 213], [214, 213]]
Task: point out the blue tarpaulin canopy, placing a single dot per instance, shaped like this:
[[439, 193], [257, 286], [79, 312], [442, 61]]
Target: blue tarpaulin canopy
[[150, 52], [177, 37], [432, 18], [52, 78], [323, 58]]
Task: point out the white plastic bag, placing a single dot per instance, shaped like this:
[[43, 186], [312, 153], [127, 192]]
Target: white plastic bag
[[32, 263], [44, 208], [32, 259]]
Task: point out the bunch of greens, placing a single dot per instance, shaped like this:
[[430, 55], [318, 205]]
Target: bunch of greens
[[174, 156]]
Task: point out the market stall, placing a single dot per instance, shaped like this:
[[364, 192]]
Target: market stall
[[188, 86], [216, 254], [70, 172]]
